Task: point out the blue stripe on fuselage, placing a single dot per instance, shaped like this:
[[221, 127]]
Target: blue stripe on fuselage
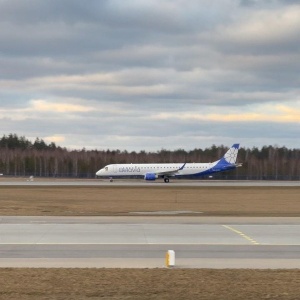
[[221, 166]]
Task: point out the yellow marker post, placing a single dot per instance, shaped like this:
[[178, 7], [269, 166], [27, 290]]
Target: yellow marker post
[[170, 258]]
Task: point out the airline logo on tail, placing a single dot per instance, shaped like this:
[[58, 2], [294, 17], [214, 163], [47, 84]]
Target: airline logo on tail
[[231, 155]]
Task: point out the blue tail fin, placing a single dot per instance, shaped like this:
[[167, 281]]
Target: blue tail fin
[[231, 155]]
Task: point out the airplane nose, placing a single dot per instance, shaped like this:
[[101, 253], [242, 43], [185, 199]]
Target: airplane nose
[[99, 172]]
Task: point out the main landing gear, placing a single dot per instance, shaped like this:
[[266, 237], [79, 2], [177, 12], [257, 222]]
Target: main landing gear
[[166, 180]]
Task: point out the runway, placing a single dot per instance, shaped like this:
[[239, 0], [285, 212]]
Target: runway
[[198, 242], [143, 183]]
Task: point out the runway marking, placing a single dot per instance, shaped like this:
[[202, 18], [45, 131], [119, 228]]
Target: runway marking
[[241, 234], [140, 244], [146, 244], [130, 244]]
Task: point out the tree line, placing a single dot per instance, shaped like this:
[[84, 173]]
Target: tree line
[[21, 157]]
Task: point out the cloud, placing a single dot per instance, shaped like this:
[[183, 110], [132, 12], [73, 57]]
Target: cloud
[[263, 113], [264, 32], [44, 106], [58, 139], [148, 74]]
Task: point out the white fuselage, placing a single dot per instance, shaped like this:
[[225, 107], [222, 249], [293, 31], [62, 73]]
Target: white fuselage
[[153, 171], [161, 169]]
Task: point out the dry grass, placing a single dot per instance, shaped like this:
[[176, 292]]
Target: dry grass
[[141, 284], [104, 200]]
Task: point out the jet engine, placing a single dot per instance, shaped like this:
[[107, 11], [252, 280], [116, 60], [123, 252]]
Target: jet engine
[[150, 176]]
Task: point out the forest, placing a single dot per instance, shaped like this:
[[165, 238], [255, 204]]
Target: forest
[[21, 157]]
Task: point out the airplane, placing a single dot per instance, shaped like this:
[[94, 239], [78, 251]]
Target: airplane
[[167, 170]]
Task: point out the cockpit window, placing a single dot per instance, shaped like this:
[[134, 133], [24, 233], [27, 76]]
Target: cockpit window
[[106, 168]]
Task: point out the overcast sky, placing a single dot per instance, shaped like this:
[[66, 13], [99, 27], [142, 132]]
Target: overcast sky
[[151, 74]]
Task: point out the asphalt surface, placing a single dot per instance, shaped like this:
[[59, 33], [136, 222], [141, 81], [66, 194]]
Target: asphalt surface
[[4, 181], [198, 242], [139, 241]]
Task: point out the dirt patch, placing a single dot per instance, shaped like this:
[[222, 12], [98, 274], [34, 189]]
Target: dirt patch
[[103, 200], [148, 284]]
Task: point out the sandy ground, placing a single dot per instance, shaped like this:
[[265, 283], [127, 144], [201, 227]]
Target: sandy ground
[[149, 283], [104, 200]]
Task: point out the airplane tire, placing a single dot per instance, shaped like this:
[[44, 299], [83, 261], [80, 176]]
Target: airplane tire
[[166, 180]]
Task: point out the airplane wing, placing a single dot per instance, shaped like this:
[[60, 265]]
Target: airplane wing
[[170, 173]]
